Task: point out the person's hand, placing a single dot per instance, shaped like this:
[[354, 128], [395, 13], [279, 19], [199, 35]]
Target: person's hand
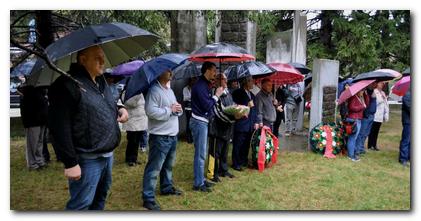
[[123, 115], [219, 91], [250, 104], [176, 108], [256, 126], [73, 173], [280, 109], [275, 102]]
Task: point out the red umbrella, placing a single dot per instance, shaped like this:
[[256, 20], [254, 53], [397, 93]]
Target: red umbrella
[[285, 74], [401, 86], [353, 90]]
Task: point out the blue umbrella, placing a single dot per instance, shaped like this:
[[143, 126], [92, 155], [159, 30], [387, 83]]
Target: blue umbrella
[[23, 68], [140, 81], [341, 85]]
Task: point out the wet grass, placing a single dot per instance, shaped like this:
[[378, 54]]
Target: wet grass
[[300, 181]]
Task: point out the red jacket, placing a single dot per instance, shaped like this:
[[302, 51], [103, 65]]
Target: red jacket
[[356, 107]]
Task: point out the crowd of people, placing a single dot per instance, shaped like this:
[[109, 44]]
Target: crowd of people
[[83, 123]]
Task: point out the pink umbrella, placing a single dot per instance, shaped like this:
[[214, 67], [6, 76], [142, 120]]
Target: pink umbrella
[[285, 74], [353, 90], [401, 86]]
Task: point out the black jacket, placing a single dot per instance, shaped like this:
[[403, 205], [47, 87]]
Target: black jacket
[[33, 106], [82, 119]]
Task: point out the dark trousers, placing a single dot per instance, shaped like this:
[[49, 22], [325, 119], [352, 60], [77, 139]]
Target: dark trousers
[[189, 137], [374, 133], [240, 150], [45, 151], [218, 148], [279, 118], [405, 144], [133, 141]]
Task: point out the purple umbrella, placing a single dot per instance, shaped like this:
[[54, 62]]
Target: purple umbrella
[[127, 69]]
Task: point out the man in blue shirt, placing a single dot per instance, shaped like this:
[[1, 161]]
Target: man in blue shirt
[[202, 104]]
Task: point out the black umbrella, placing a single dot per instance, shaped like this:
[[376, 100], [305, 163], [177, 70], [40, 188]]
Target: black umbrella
[[379, 75], [301, 68], [406, 72], [256, 69], [119, 41], [187, 70]]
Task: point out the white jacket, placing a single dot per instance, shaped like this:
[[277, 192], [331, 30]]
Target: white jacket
[[138, 120], [382, 110]]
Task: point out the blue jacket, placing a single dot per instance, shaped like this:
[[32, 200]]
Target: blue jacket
[[372, 106], [202, 101], [406, 108], [245, 124]]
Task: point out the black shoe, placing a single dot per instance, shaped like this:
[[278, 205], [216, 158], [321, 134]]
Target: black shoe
[[209, 184], [131, 164], [376, 149], [172, 191], [237, 168], [228, 174], [151, 205], [202, 188], [216, 179]]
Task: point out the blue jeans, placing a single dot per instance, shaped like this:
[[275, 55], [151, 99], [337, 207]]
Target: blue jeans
[[90, 191], [352, 139], [366, 124], [405, 145], [161, 160], [143, 139], [199, 131]]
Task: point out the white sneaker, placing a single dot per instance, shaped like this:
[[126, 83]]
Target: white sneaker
[[143, 149]]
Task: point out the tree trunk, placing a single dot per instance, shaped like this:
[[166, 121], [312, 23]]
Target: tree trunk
[[44, 28]]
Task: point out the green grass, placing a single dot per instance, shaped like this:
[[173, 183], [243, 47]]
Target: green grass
[[300, 181]]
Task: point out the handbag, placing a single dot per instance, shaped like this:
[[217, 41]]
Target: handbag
[[298, 99]]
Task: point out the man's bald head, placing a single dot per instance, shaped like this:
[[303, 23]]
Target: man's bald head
[[93, 59]]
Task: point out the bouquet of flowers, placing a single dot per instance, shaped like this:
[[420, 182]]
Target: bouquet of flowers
[[237, 110]]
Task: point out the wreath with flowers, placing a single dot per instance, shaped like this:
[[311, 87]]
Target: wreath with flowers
[[319, 138], [269, 147]]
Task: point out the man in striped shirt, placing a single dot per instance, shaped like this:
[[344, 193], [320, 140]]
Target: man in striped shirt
[[220, 133]]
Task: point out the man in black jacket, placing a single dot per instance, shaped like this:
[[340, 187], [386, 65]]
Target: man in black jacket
[[84, 128]]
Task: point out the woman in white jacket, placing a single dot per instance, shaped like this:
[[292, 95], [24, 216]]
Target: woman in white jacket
[[135, 128], [381, 115]]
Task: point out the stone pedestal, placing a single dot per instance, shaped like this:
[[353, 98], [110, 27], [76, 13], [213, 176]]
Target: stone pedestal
[[323, 94]]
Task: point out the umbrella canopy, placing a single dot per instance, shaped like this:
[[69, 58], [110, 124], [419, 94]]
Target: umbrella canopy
[[256, 69], [379, 75], [301, 68], [23, 69], [140, 81], [221, 52], [353, 90], [341, 85], [119, 41], [285, 74], [186, 70], [402, 86], [127, 69], [406, 72]]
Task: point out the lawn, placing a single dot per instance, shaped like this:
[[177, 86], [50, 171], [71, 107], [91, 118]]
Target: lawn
[[300, 181]]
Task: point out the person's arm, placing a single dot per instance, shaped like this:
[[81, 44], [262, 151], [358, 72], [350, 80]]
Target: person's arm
[[152, 108], [63, 97], [205, 102]]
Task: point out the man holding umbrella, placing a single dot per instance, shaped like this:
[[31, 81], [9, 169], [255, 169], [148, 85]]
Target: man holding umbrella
[[83, 122], [202, 103]]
